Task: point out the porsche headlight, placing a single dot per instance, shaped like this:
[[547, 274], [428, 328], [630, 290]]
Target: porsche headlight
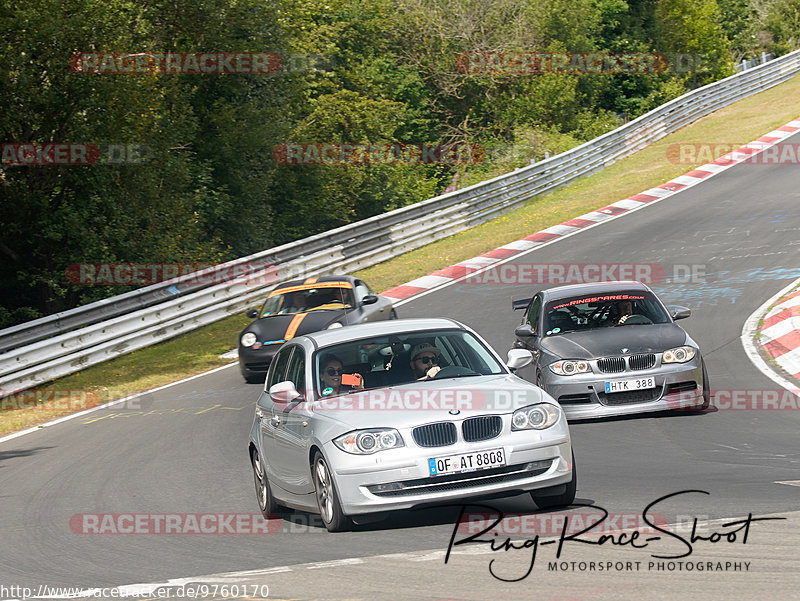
[[248, 339], [334, 325], [367, 442], [570, 368], [535, 417], [682, 354]]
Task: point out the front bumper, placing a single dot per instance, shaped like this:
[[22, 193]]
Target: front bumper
[[400, 479], [583, 396], [256, 362]]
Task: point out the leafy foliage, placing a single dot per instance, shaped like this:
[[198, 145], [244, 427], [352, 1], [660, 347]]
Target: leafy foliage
[[353, 72]]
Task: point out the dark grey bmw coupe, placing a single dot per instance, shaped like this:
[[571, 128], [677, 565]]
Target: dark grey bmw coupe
[[611, 348]]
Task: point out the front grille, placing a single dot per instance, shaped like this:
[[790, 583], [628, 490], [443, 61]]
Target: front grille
[[574, 399], [450, 482], [261, 366], [481, 428], [631, 396], [681, 387], [642, 361], [435, 435], [611, 364]]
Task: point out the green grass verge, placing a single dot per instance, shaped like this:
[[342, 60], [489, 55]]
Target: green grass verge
[[198, 351]]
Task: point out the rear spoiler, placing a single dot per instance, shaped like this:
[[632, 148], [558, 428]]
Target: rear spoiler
[[521, 303]]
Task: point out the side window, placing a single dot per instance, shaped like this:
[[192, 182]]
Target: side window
[[278, 367], [534, 311], [297, 370]]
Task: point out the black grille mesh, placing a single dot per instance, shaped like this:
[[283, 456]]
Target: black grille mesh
[[435, 435], [481, 428], [611, 364], [642, 361]]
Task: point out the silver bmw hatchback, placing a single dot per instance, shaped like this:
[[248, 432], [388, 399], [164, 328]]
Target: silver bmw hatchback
[[399, 414]]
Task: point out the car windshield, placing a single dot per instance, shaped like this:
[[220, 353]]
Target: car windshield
[[627, 307], [305, 298], [387, 360]]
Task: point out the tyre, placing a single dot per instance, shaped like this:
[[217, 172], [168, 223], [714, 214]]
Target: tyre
[[393, 314], [257, 379], [330, 509], [563, 499], [266, 502]]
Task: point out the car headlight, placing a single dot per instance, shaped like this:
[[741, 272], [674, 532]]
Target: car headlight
[[334, 325], [367, 442], [535, 417], [570, 368], [682, 354], [248, 339]]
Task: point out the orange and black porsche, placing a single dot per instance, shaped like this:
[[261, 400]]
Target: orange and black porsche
[[302, 306]]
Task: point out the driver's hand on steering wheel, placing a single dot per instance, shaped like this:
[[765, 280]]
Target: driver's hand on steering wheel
[[431, 373]]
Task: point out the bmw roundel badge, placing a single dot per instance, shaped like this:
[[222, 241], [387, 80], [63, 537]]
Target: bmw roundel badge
[[454, 412]]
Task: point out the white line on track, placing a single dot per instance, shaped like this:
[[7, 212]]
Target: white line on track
[[109, 404]]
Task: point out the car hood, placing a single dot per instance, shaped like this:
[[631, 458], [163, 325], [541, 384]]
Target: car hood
[[275, 327], [410, 405], [602, 342]]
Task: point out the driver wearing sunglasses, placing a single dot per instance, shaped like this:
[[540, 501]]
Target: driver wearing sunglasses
[[331, 375], [425, 361]]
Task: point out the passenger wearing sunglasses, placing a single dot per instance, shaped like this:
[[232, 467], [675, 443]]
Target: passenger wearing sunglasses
[[331, 376], [425, 361]]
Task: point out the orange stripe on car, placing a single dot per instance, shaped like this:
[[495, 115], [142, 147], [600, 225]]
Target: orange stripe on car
[[293, 325]]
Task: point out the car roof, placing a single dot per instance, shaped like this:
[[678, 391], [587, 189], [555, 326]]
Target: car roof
[[593, 288], [319, 279], [381, 328]]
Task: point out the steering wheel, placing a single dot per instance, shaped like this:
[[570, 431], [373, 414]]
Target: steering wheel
[[636, 319], [454, 370]]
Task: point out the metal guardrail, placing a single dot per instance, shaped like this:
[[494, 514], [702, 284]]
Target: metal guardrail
[[54, 346], [754, 62]]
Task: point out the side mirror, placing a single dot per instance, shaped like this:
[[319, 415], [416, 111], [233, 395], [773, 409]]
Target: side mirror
[[283, 392], [518, 358], [678, 312], [525, 331], [370, 299], [252, 313]]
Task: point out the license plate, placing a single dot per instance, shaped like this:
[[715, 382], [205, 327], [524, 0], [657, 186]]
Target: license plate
[[625, 385], [467, 462]]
